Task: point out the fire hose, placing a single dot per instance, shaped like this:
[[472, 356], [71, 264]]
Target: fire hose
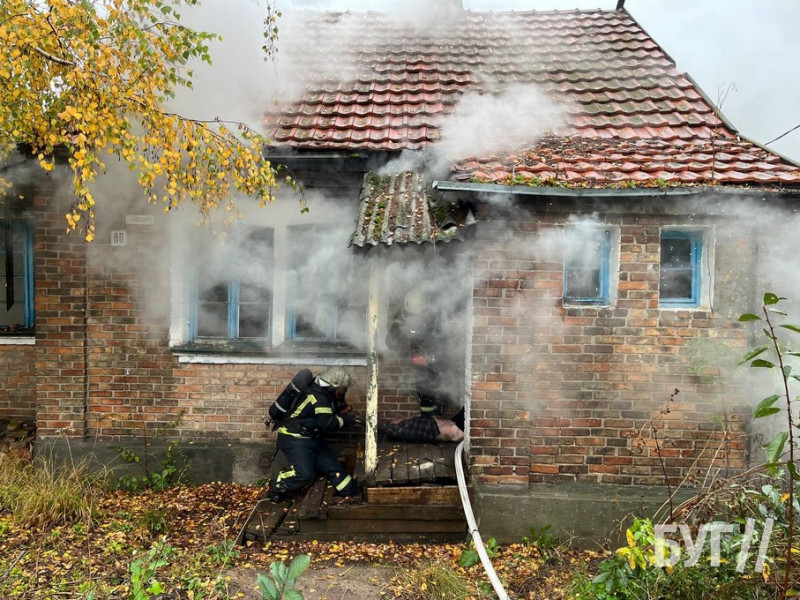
[[473, 527]]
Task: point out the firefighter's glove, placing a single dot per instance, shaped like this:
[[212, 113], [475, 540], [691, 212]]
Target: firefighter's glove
[[359, 420]]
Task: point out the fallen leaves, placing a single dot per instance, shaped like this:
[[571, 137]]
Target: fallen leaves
[[201, 524]]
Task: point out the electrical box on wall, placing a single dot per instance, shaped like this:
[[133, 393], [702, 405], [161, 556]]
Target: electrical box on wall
[[119, 238]]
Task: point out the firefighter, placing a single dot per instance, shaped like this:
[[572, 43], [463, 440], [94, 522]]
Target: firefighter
[[419, 325], [301, 438]]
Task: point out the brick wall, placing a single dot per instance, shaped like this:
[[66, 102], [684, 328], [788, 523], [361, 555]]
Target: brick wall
[[60, 305], [18, 382], [596, 394]]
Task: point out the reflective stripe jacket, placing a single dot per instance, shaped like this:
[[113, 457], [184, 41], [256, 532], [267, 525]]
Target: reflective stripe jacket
[[315, 414]]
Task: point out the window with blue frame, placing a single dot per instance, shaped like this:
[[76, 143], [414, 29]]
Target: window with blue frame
[[325, 293], [231, 296], [587, 265], [16, 273], [681, 256]]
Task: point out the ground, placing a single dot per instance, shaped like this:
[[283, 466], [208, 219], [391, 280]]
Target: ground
[[354, 582], [184, 539]]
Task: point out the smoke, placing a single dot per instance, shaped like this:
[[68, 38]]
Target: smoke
[[485, 124], [442, 279]]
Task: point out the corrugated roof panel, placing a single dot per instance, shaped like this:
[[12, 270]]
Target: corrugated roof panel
[[400, 209]]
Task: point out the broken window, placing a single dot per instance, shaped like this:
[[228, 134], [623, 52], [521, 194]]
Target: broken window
[[679, 282], [587, 264], [16, 274], [232, 292]]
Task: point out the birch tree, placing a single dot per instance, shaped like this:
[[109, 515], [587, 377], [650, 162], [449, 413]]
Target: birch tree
[[92, 80]]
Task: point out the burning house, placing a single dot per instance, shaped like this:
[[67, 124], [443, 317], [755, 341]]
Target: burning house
[[571, 207]]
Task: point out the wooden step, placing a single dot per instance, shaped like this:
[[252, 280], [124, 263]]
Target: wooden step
[[424, 495], [265, 517]]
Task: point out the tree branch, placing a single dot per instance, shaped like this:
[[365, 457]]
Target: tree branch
[[52, 57]]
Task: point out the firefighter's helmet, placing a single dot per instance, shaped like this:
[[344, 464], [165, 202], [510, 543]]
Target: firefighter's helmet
[[415, 302], [336, 376]]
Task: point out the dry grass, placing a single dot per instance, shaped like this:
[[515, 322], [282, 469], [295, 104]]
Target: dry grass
[[42, 493], [431, 581]]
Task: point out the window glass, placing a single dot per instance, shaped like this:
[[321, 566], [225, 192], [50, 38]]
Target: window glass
[[16, 275], [679, 282], [326, 286], [233, 285], [587, 256]]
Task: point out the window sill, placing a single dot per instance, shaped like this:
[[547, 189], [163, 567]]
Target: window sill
[[681, 307], [237, 352], [17, 339]]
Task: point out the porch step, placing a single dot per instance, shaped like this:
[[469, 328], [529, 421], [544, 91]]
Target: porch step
[[398, 514], [382, 523]]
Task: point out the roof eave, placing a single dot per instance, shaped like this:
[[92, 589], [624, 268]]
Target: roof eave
[[596, 193]]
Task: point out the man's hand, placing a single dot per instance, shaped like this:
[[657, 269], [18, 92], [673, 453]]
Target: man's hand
[[359, 420]]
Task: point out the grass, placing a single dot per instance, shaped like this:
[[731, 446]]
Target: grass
[[434, 580], [42, 494]]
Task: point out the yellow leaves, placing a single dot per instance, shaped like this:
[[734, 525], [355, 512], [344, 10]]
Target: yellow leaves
[[76, 91]]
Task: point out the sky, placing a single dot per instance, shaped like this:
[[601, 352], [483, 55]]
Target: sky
[[742, 53]]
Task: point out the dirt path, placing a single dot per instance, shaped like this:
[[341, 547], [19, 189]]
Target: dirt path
[[354, 582]]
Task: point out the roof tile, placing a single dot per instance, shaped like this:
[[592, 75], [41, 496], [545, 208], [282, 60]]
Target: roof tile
[[632, 115]]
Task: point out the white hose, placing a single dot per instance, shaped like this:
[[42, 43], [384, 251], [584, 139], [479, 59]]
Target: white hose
[[473, 528]]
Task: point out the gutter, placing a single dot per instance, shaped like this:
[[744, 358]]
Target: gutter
[[595, 193]]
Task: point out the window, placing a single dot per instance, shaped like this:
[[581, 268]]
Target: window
[[16, 273], [232, 292], [587, 265], [679, 283], [325, 294]]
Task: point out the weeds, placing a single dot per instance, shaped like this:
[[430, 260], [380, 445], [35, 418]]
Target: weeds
[[162, 468], [763, 500], [783, 442], [144, 584], [42, 493], [470, 556], [431, 581], [544, 541], [279, 583]]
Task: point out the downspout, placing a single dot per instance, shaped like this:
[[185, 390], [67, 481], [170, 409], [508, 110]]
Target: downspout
[[473, 527], [86, 357], [371, 439]]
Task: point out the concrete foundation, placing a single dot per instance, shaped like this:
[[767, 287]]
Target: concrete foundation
[[581, 514], [246, 463]]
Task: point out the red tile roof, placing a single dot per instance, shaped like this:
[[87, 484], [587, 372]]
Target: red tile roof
[[632, 118]]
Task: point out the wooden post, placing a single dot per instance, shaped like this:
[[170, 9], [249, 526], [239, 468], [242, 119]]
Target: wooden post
[[371, 442]]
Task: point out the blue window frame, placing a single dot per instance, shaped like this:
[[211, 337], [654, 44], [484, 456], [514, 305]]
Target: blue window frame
[[231, 295], [587, 265], [681, 256], [16, 275], [325, 298], [314, 321]]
